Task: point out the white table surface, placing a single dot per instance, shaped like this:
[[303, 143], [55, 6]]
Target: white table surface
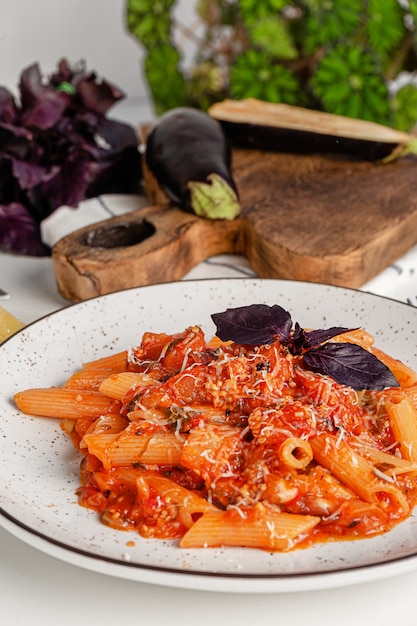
[[37, 589]]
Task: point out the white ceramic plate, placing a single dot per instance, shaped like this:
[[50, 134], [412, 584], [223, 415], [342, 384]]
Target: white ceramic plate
[[39, 467]]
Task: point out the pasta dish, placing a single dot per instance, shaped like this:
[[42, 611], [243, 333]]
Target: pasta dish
[[266, 436]]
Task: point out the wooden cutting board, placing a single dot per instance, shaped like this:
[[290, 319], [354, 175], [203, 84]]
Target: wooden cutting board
[[318, 218]]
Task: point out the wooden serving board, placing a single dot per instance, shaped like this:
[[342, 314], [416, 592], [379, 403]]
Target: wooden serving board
[[318, 218]]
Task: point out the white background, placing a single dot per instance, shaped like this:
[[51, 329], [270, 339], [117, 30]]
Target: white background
[[95, 31]]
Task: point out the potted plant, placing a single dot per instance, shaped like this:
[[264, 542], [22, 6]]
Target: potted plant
[[350, 57]]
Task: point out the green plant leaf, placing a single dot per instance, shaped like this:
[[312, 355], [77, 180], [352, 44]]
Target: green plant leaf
[[218, 12], [165, 80], [205, 85], [255, 10], [270, 49], [253, 75], [385, 26], [351, 65], [404, 108], [330, 21], [412, 8], [272, 35], [149, 20]]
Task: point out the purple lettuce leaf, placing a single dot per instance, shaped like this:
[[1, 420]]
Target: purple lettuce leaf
[[254, 324], [350, 364], [19, 232]]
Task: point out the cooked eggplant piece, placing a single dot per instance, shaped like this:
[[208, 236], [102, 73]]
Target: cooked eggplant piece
[[273, 127], [189, 156]]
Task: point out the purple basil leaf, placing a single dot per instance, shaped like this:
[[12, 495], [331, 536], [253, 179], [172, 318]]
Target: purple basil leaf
[[255, 324], [12, 131], [66, 73], [15, 141], [30, 86], [297, 341], [47, 111], [117, 135], [19, 232], [117, 173], [351, 365], [314, 338], [99, 97], [57, 147], [8, 109], [304, 340], [30, 174], [69, 184]]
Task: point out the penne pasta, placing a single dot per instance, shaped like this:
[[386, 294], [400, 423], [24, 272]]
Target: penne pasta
[[128, 448], [411, 392], [88, 378], [170, 494], [404, 374], [213, 451], [259, 527], [224, 444], [295, 453], [389, 463], [358, 336], [163, 449], [110, 424], [114, 362], [117, 385], [403, 417], [65, 403], [357, 473]]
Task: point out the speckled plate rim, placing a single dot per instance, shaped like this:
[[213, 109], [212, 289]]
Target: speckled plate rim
[[392, 323]]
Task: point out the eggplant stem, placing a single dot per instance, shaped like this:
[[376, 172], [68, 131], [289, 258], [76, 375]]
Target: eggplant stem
[[215, 199], [402, 150]]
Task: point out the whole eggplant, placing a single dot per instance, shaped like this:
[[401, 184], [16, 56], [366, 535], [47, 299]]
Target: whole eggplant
[[189, 156]]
